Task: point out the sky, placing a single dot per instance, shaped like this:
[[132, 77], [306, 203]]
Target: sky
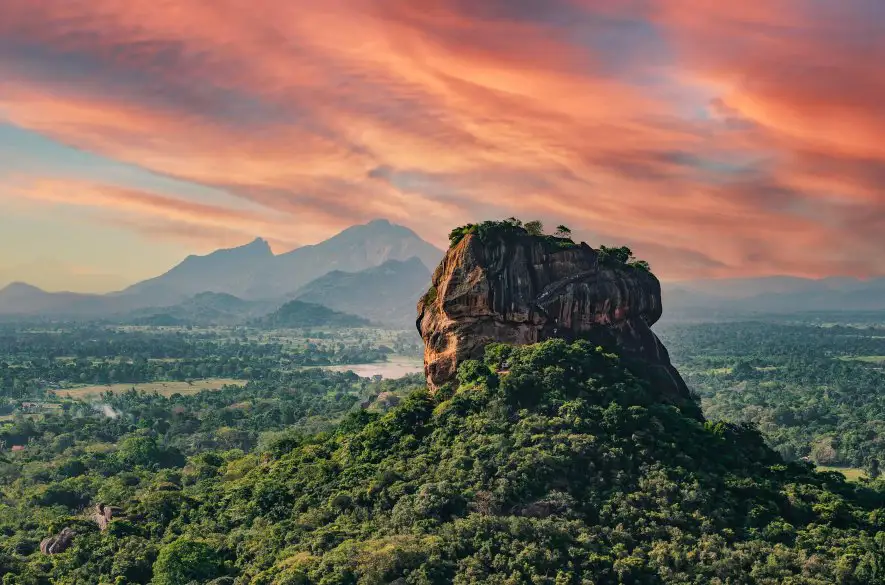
[[717, 139]]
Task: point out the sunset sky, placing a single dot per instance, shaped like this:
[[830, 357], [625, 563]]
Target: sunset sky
[[715, 138]]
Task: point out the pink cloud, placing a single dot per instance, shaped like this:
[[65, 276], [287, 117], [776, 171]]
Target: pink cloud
[[720, 141]]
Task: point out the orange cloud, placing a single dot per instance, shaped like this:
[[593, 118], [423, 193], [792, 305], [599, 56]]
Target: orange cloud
[[154, 213], [807, 74], [716, 140]]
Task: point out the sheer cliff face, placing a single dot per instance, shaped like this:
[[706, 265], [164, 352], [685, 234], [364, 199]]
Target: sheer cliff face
[[523, 289]]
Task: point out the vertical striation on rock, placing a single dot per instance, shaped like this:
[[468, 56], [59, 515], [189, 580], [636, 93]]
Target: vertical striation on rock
[[59, 543], [521, 289]]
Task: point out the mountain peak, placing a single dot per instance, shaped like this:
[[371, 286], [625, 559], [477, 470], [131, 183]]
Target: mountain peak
[[379, 227], [253, 271], [258, 242], [257, 246], [21, 288], [376, 227]]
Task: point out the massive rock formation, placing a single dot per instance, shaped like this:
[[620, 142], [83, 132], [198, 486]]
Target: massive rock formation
[[521, 289]]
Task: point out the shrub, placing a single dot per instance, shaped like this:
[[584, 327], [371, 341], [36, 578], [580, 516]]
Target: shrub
[[489, 230], [623, 256], [184, 560]]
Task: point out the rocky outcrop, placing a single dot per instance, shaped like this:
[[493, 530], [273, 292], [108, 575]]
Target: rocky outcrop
[[523, 289], [104, 514], [387, 400], [59, 543]]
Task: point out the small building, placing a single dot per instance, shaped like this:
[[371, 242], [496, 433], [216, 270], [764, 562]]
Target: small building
[[18, 448]]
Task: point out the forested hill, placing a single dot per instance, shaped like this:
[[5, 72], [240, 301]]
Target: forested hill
[[296, 314], [566, 469]]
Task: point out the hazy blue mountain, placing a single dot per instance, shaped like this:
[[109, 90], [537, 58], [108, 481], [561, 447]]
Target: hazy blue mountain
[[355, 249], [24, 299], [298, 314], [741, 288], [251, 272], [779, 294], [207, 308], [231, 271], [385, 294]]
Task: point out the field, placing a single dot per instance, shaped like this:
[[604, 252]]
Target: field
[[162, 388], [870, 359], [850, 473]]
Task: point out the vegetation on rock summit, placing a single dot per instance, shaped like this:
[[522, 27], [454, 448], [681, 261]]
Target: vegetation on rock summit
[[560, 239]]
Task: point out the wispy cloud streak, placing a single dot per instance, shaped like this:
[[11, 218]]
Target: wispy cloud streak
[[716, 140]]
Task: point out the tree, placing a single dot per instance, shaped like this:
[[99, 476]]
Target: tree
[[134, 451], [18, 387], [622, 255], [534, 228], [824, 453], [563, 232], [185, 560]]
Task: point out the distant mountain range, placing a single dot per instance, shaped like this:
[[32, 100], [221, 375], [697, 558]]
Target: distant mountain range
[[254, 272], [771, 295], [231, 271], [20, 298], [377, 271], [386, 294]]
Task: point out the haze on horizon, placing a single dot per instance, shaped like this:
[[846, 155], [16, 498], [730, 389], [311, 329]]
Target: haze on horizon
[[716, 140]]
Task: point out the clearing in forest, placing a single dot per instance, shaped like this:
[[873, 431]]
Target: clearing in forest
[[163, 388]]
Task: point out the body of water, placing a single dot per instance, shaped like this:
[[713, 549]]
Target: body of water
[[394, 368]]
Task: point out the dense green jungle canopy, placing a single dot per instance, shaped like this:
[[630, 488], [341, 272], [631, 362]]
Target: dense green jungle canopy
[[567, 469]]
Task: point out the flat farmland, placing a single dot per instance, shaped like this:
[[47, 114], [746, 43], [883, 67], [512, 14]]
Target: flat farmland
[[850, 473], [870, 359], [162, 388]]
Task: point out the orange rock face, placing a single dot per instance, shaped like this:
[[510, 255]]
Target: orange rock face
[[522, 289]]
